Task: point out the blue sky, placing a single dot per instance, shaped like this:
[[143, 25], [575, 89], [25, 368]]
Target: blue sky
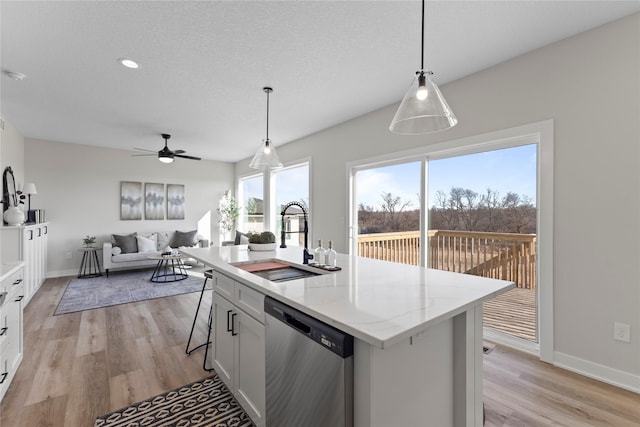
[[506, 170]]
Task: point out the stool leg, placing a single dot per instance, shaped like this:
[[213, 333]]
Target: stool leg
[[206, 349], [195, 318]]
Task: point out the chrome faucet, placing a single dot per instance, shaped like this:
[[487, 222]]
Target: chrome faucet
[[306, 256]]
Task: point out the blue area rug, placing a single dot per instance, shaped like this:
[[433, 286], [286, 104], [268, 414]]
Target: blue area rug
[[122, 288]]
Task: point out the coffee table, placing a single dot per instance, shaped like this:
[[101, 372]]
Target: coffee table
[[169, 268]]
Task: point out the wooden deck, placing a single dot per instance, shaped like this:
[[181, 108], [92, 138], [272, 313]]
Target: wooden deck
[[513, 312]]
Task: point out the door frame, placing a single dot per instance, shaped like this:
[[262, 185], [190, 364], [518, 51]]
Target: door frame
[[540, 133]]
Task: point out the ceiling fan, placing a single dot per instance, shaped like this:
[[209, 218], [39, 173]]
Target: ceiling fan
[[166, 155]]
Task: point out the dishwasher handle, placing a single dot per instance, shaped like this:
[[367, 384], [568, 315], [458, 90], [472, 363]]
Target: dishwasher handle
[[302, 327]]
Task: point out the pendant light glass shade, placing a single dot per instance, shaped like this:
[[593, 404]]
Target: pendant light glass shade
[[266, 156], [423, 109]]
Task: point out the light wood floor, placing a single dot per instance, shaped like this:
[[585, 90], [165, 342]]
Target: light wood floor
[[81, 365]]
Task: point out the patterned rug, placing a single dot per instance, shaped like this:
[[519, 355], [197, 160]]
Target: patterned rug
[[205, 403], [122, 288]]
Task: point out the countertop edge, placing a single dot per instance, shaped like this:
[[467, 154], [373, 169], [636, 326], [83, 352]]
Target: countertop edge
[[263, 286]]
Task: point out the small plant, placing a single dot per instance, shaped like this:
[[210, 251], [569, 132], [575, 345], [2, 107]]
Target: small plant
[[264, 237], [229, 211], [89, 240]]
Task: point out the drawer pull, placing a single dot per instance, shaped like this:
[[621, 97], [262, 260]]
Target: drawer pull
[[228, 322], [17, 282], [4, 377], [3, 331], [19, 298], [233, 324]]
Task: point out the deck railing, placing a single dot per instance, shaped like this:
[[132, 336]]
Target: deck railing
[[506, 256], [402, 247]]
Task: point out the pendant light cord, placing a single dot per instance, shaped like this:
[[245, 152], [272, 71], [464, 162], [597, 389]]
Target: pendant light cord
[[267, 113], [422, 41]]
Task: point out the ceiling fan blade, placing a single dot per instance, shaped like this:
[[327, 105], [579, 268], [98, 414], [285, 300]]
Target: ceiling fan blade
[[186, 157], [144, 155], [179, 152], [143, 149]]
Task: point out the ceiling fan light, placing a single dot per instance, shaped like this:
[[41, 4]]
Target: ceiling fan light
[[165, 158], [420, 114]]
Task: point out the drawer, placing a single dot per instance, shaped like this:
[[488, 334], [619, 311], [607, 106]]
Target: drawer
[[224, 285], [251, 301], [10, 283]]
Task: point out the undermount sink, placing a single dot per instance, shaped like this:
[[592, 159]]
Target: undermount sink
[[278, 271]]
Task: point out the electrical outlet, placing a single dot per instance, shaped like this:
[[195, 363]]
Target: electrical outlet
[[69, 255], [621, 332]]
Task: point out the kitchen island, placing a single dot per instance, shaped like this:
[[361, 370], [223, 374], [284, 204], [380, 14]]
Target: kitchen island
[[417, 333]]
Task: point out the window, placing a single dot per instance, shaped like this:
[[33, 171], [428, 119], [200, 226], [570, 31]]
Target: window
[[291, 185], [251, 203]]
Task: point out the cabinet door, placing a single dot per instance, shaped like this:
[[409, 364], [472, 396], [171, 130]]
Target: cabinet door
[[29, 249], [250, 372], [14, 329], [223, 357]]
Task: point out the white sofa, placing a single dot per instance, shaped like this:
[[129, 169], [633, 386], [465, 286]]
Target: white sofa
[[122, 253]]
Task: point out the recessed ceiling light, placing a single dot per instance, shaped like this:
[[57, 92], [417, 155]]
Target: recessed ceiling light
[[14, 75], [129, 63]]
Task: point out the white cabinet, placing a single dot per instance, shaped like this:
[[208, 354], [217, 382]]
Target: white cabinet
[[11, 345], [239, 343], [27, 243]]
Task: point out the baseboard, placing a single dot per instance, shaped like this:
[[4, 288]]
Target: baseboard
[[61, 273], [598, 372]]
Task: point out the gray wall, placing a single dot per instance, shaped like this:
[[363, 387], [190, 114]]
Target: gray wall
[[589, 85]]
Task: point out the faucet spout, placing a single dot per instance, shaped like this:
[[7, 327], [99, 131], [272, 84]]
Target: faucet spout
[[306, 255]]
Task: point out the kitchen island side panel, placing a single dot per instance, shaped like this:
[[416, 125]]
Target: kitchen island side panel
[[409, 383]]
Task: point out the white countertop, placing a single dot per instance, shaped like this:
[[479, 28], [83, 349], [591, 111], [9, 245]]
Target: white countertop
[[379, 302], [8, 268]]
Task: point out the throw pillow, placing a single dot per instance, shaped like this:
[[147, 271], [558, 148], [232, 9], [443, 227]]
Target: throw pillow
[[153, 236], [163, 240], [184, 238], [145, 244], [127, 243], [115, 250]]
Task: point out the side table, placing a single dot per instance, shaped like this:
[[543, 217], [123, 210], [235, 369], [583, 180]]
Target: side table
[[90, 264], [169, 268]]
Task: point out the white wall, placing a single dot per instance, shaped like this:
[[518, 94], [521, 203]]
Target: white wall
[[590, 85], [79, 188], [11, 154], [12, 151]]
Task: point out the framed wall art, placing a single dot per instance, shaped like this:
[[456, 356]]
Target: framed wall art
[[175, 201], [130, 200], [154, 201]]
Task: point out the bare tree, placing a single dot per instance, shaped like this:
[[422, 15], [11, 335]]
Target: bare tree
[[446, 210], [465, 202], [518, 212], [490, 201], [392, 206]]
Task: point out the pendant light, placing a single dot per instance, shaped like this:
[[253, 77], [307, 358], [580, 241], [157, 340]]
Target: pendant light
[[266, 156], [423, 108]]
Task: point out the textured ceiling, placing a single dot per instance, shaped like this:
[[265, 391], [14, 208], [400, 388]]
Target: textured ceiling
[[203, 64]]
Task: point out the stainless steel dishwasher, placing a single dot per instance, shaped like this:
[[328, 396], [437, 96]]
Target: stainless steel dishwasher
[[309, 370]]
